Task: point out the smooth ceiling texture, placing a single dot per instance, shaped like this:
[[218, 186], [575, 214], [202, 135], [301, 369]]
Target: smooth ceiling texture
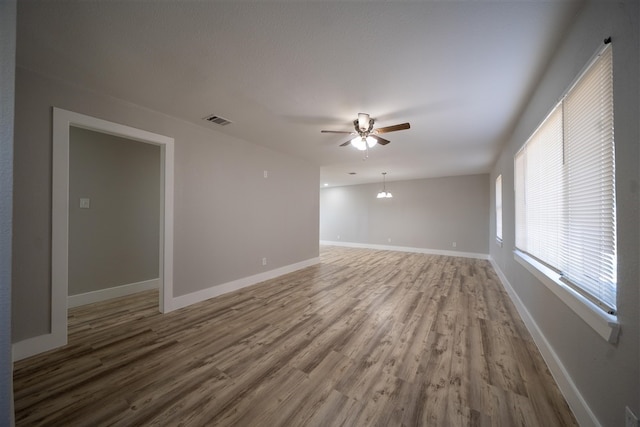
[[459, 71]]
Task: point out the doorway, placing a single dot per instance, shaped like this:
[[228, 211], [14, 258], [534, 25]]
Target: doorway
[[114, 211], [62, 122]]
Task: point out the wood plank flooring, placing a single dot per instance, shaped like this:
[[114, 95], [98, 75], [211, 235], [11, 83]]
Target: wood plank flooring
[[365, 338]]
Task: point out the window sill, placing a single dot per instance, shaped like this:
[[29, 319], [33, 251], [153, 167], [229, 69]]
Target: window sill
[[606, 325]]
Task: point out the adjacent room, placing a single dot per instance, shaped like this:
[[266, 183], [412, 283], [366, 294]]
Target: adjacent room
[[320, 213]]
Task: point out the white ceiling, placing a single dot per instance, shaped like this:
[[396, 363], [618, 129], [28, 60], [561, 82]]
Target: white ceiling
[[459, 71]]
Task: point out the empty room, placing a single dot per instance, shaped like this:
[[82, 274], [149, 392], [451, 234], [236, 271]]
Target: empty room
[[320, 213]]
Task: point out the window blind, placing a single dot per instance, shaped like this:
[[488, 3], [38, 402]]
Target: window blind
[[565, 187], [543, 196], [589, 237], [521, 212]]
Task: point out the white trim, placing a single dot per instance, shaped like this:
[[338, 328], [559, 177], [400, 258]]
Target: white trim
[[576, 402], [110, 293], [62, 120], [36, 345], [166, 227], [214, 291], [606, 325], [406, 249]]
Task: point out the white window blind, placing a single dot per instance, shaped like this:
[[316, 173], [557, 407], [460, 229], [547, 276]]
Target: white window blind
[[521, 212], [543, 195], [565, 187], [589, 238], [499, 207]]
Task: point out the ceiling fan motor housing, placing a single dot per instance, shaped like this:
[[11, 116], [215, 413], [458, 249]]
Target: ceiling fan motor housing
[[363, 124]]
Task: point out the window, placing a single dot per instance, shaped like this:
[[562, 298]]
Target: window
[[565, 188], [499, 209]]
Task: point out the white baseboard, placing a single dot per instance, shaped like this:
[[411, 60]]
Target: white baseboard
[[406, 249], [58, 337], [569, 390], [214, 291], [110, 293], [40, 344], [36, 345]]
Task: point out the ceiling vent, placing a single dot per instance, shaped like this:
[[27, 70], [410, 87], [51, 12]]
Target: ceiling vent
[[217, 120]]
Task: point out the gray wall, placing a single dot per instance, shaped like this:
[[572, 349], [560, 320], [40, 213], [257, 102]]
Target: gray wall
[[227, 215], [116, 241], [606, 375], [427, 213], [7, 74]]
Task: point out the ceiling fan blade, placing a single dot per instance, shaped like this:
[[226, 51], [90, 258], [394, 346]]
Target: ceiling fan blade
[[380, 140], [336, 131], [401, 126], [344, 144]]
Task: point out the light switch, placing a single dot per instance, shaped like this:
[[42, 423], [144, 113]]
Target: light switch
[[84, 203]]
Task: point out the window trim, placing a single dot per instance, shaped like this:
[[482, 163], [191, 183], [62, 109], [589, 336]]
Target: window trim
[[606, 325], [499, 236]]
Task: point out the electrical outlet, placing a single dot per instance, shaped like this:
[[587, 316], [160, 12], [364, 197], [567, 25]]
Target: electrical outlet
[[85, 203], [338, 237], [630, 419], [264, 261], [389, 240], [454, 244], [266, 174]]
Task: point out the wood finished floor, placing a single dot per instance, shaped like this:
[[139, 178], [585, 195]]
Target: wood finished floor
[[365, 338]]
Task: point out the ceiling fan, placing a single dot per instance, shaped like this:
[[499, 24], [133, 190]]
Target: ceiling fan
[[367, 136]]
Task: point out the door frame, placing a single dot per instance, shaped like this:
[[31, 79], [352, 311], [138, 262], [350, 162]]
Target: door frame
[[62, 121]]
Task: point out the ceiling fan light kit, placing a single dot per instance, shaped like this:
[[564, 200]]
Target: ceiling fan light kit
[[362, 143]]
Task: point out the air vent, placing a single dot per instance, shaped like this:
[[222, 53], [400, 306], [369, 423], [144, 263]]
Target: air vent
[[217, 120]]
